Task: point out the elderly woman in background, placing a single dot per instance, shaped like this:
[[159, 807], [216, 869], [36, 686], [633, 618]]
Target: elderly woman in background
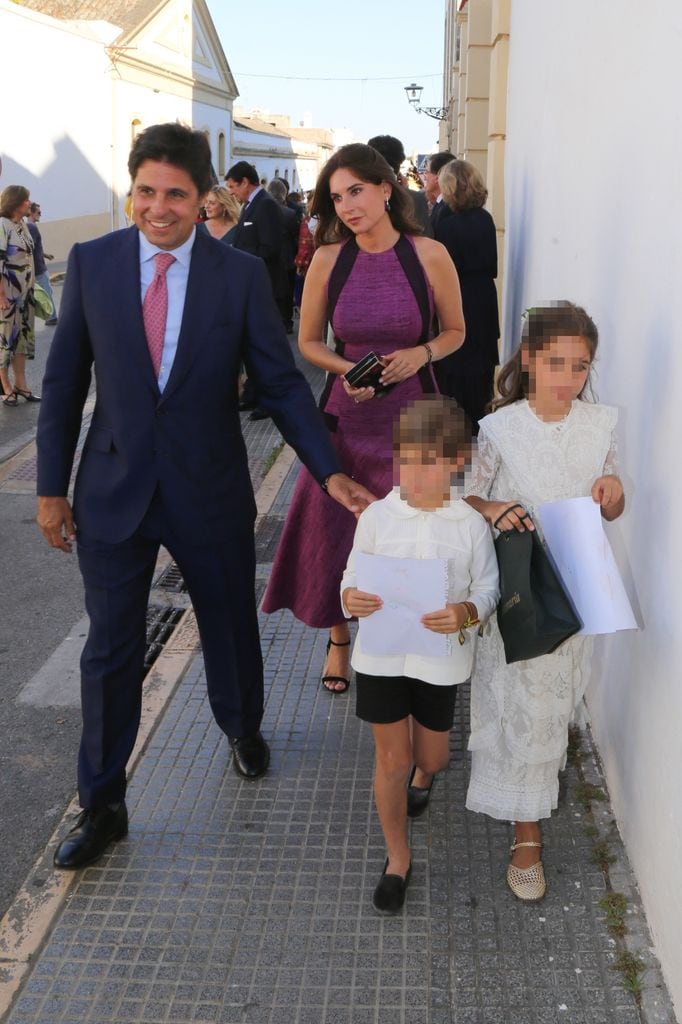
[[17, 278], [222, 214], [469, 236]]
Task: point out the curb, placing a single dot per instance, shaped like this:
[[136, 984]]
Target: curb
[[28, 920]]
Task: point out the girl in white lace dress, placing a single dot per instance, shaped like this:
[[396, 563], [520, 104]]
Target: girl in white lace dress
[[542, 443]]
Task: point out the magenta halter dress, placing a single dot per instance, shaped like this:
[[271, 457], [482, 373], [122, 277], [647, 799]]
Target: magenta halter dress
[[376, 302]]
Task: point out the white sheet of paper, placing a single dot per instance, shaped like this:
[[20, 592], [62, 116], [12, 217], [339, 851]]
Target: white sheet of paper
[[409, 588], [581, 552]]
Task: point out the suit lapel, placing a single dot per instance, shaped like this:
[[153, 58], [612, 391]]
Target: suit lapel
[[129, 313], [196, 311]]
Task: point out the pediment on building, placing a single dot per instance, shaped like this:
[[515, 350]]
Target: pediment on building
[[172, 37], [178, 37]]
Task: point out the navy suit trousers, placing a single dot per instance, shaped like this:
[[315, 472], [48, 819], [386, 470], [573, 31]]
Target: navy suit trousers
[[220, 578]]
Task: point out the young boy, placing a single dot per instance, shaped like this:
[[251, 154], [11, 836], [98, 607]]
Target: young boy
[[409, 698]]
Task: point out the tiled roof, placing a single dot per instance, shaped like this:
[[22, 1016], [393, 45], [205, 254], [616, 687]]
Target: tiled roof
[[126, 14], [258, 125]]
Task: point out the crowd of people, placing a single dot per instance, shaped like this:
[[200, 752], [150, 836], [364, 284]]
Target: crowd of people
[[397, 298]]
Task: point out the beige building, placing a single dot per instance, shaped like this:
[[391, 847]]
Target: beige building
[[476, 55]]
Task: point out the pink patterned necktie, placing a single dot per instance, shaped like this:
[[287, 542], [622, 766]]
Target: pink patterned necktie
[[155, 309]]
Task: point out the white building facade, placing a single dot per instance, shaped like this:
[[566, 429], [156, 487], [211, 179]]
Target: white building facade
[[583, 143], [89, 86]]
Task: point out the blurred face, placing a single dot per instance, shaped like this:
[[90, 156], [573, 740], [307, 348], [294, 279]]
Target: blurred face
[[359, 205], [425, 476], [165, 203], [23, 209], [35, 216], [431, 186], [213, 207], [559, 370], [241, 190]]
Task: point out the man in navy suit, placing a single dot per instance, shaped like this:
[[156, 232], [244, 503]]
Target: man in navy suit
[[259, 231], [439, 208], [165, 315]]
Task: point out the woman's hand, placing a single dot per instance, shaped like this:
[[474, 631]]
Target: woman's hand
[[507, 515], [608, 492], [447, 620], [357, 394], [359, 603], [403, 364]]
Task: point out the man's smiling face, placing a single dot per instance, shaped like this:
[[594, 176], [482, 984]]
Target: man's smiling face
[[166, 203]]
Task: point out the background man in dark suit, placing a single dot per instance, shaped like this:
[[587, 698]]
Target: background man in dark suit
[[290, 224], [393, 153], [259, 231], [439, 208], [166, 315]]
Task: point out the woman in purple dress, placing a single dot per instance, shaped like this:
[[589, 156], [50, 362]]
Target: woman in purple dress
[[379, 285]]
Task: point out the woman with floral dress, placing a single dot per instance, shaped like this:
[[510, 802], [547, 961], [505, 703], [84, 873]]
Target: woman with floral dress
[[17, 277]]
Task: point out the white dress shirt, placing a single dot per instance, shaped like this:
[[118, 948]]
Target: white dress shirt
[[176, 282], [455, 532]]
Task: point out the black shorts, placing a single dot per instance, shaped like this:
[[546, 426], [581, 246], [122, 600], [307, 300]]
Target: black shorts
[[382, 700]]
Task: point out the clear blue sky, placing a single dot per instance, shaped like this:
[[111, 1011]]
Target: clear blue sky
[[315, 39]]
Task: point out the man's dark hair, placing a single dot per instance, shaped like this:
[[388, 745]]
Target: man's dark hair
[[243, 169], [34, 207], [284, 182], [178, 145], [390, 148], [438, 160]]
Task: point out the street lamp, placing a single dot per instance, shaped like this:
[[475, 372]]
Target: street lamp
[[414, 94]]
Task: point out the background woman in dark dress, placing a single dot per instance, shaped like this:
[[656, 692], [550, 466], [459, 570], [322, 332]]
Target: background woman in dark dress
[[469, 236]]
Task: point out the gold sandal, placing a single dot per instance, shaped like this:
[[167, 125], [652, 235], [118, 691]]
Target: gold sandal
[[527, 883]]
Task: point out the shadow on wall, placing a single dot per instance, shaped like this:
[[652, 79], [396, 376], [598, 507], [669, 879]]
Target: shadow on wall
[[68, 188], [515, 272]]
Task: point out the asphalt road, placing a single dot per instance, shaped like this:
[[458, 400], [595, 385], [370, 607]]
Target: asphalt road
[[40, 603], [17, 425]]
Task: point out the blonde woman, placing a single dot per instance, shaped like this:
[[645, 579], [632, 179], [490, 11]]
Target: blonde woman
[[469, 236], [222, 214]]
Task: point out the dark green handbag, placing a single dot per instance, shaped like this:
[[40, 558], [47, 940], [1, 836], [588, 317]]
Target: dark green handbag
[[534, 614]]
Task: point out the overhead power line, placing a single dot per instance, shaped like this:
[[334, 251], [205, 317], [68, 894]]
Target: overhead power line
[[313, 78]]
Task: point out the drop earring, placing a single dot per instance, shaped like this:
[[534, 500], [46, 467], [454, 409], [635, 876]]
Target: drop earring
[[387, 204]]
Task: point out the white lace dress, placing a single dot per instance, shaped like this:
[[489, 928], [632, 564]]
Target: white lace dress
[[520, 713]]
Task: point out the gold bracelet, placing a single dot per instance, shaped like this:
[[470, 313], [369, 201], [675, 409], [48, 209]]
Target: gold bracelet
[[472, 619], [429, 353]]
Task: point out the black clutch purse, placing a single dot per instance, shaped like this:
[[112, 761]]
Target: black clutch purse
[[534, 614], [366, 374]]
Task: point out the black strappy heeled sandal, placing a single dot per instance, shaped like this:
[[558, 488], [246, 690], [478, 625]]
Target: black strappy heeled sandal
[[335, 679]]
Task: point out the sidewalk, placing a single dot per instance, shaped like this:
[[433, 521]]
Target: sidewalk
[[249, 903]]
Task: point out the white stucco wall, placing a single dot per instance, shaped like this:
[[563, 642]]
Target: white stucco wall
[[68, 137], [64, 161], [273, 155], [594, 214], [138, 102]]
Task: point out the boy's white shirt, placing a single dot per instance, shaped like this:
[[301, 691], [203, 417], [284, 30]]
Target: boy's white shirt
[[456, 532]]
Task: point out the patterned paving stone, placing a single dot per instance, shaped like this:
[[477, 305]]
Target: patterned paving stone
[[249, 903]]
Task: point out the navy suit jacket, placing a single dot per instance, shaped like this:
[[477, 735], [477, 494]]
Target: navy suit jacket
[[186, 441]]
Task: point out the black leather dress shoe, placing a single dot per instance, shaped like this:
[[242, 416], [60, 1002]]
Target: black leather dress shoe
[[259, 414], [247, 405], [90, 836], [417, 798], [251, 755], [389, 895]]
